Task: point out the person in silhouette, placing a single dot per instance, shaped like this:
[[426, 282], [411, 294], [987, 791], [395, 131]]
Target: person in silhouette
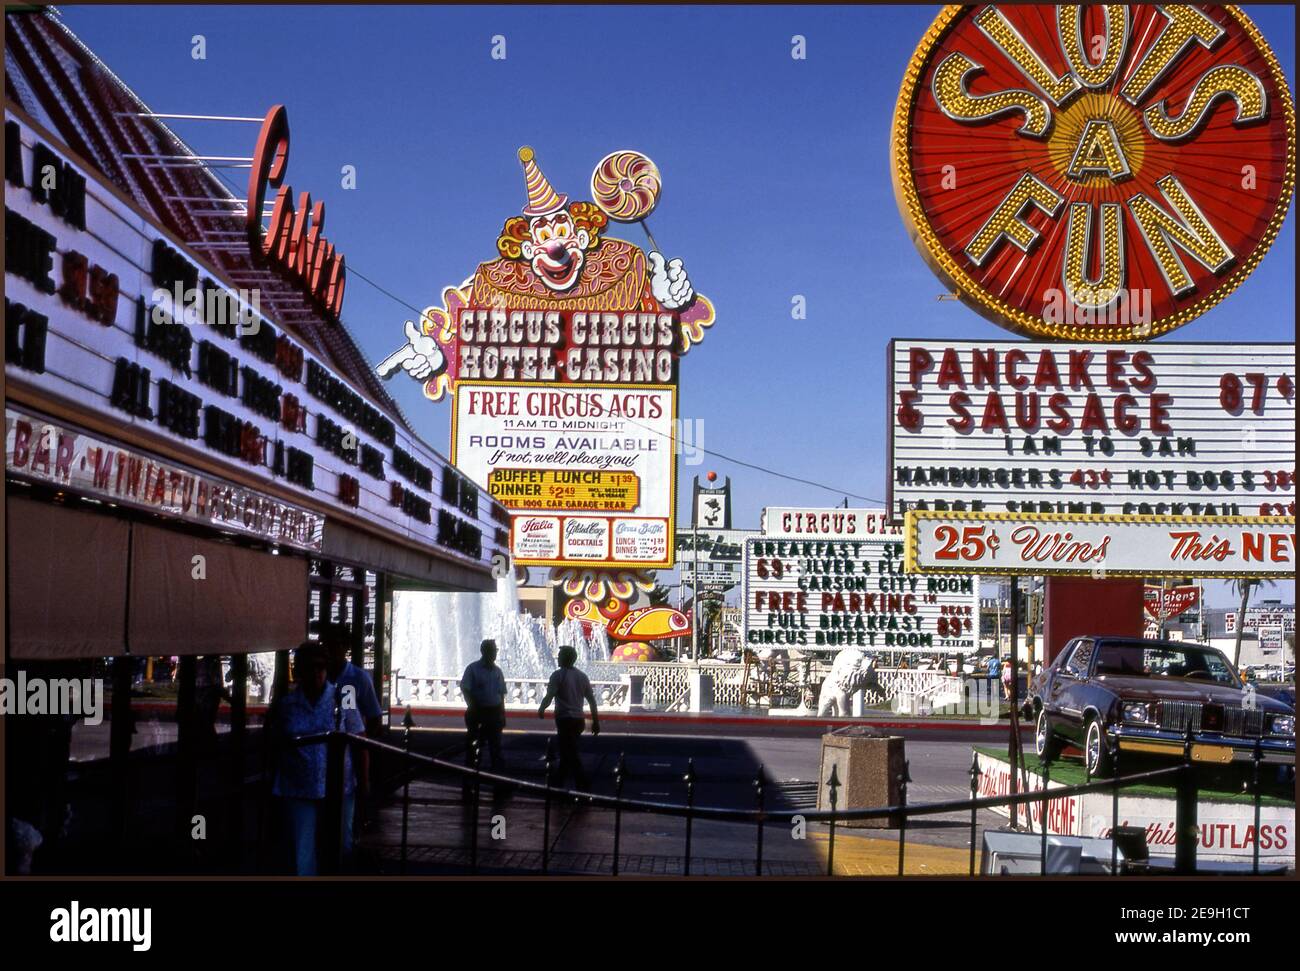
[[569, 688], [484, 688], [299, 778]]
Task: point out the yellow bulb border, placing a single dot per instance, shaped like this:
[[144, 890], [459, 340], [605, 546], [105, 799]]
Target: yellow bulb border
[[915, 517]]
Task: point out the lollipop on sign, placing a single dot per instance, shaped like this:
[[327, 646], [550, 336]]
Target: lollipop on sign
[[626, 186]]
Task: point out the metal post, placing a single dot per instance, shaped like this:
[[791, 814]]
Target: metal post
[[332, 811], [186, 744], [618, 806], [758, 794], [1042, 808], [690, 812], [381, 640], [974, 794], [546, 811], [1013, 749], [119, 741], [1114, 805], [473, 821], [903, 780], [1185, 814], [832, 784], [237, 755], [1257, 756], [407, 723]]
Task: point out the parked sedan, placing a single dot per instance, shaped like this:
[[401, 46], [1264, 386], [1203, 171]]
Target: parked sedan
[[1148, 696]]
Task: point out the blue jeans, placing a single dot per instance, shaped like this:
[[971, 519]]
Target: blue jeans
[[302, 819]]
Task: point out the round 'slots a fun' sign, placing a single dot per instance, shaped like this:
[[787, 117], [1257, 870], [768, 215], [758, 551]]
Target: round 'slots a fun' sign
[[1093, 172]]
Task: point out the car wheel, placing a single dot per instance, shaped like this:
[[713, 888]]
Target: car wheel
[[1096, 752], [1046, 745]]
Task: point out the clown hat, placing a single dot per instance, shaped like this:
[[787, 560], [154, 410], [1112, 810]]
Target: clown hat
[[542, 199]]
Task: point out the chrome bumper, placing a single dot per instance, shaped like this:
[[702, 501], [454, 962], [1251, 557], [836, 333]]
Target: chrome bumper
[[1206, 746]]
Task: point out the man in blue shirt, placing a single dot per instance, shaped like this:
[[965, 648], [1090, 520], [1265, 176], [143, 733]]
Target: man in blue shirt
[[993, 670], [357, 692], [484, 688]]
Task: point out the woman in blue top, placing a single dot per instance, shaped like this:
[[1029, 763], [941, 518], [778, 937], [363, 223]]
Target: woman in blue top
[[299, 779]]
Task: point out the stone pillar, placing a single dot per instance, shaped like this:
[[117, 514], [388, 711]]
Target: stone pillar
[[636, 691], [701, 696]]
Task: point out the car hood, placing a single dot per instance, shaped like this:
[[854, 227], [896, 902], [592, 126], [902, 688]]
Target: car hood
[[1175, 689]]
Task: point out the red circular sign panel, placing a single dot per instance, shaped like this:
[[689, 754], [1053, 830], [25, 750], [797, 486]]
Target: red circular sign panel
[[1093, 172]]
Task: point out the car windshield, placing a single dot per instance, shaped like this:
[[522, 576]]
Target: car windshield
[[1165, 661]]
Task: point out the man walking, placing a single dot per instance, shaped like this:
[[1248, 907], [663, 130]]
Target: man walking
[[569, 687], [484, 688]]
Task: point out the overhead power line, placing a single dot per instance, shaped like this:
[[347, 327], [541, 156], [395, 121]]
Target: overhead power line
[[766, 470]]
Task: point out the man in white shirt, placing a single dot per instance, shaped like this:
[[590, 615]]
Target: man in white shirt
[[484, 688], [569, 688]]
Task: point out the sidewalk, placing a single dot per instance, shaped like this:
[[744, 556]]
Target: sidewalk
[[510, 837]]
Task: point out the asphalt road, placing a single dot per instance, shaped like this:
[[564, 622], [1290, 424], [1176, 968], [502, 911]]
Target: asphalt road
[[726, 759]]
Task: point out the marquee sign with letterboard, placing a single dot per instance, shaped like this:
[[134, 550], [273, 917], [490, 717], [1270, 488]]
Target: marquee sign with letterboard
[[1257, 618], [1097, 172], [718, 557], [827, 579], [1056, 544], [55, 454], [108, 314], [1153, 429], [588, 471]]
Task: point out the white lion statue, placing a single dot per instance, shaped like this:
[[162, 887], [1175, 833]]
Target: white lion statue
[[851, 672]]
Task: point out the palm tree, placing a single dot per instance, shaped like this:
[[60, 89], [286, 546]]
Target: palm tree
[[712, 610], [1246, 587]]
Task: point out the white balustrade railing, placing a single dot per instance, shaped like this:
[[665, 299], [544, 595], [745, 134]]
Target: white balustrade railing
[[667, 683], [521, 693], [667, 687]]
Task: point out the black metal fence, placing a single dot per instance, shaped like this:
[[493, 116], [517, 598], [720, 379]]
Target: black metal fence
[[1182, 775]]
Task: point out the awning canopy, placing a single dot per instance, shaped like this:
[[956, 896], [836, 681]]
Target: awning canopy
[[66, 572], [409, 568], [196, 596], [86, 584]]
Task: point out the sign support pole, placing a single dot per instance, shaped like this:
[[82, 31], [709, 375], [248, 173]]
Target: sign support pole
[[1013, 749], [695, 591]]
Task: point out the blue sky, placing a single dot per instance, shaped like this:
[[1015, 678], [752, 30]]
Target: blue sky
[[776, 183]]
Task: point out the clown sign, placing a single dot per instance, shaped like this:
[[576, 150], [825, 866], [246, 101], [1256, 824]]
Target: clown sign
[[562, 354], [1093, 172]]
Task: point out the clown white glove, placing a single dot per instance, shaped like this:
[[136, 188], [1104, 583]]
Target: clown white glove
[[668, 283], [420, 357]]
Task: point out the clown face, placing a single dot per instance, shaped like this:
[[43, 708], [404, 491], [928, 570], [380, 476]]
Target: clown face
[[555, 250]]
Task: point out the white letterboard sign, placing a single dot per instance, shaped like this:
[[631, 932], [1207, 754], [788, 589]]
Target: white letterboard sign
[[1162, 428], [828, 579]]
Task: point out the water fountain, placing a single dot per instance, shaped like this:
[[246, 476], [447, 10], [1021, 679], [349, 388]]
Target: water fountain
[[435, 635]]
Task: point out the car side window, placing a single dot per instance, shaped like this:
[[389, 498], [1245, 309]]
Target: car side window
[[1062, 663], [1077, 666], [1219, 669]]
